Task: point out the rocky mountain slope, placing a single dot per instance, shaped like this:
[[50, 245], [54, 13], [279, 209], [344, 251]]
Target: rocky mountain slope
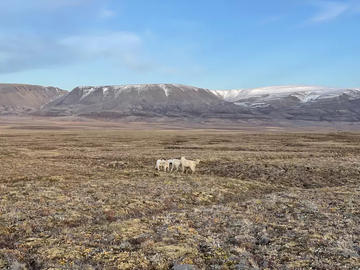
[[302, 93], [298, 102], [277, 103], [147, 100], [23, 99]]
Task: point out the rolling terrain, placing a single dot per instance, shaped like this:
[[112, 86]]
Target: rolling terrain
[[89, 198], [20, 99], [173, 102], [156, 101], [309, 103], [148, 100]]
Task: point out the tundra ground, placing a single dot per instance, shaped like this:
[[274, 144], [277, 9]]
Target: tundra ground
[[91, 199]]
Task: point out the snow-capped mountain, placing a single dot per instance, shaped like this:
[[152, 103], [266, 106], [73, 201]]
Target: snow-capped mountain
[[140, 100], [299, 102], [302, 93], [310, 103]]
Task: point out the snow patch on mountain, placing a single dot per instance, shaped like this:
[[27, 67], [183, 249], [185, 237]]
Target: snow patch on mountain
[[166, 90], [139, 88], [87, 91], [228, 95], [302, 93]]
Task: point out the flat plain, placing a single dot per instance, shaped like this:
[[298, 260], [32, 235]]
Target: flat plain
[[90, 198]]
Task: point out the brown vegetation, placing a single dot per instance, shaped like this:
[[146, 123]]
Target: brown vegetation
[[91, 199]]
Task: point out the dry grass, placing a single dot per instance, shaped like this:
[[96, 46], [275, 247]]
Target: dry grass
[[91, 199]]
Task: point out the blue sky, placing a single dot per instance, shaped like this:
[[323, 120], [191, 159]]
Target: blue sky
[[217, 44]]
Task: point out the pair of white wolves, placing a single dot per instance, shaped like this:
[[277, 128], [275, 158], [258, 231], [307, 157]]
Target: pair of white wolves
[[175, 164]]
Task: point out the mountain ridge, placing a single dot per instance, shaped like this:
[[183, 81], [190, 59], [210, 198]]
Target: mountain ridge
[[294, 102], [18, 99], [276, 91], [152, 100], [310, 103]]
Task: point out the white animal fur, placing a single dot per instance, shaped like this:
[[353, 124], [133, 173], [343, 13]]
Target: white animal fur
[[191, 164], [158, 164], [162, 164], [175, 164], [166, 166]]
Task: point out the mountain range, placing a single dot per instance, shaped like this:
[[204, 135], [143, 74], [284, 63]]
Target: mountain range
[[25, 99], [309, 103], [147, 100]]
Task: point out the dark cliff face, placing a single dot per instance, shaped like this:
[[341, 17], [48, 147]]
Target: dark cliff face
[[23, 99]]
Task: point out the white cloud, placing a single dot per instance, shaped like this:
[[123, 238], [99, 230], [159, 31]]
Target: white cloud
[[329, 10], [111, 43], [123, 48]]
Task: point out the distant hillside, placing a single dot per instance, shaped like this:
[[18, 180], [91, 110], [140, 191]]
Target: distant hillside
[[311, 103], [175, 101], [148, 100], [23, 99]]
